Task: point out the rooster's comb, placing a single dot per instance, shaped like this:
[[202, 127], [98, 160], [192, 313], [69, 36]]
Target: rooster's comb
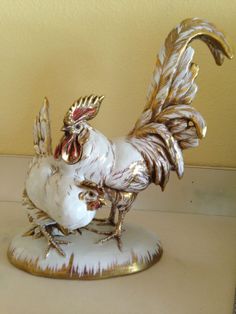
[[85, 108]]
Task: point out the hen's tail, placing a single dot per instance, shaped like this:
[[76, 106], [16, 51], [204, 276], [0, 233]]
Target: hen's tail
[[168, 123], [42, 131]]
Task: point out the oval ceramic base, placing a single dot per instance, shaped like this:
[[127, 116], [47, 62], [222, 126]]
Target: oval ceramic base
[[84, 257]]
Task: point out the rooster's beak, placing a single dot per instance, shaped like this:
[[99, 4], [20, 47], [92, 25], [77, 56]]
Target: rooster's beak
[[102, 201], [65, 128]]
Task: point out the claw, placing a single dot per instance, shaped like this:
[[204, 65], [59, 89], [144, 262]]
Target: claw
[[79, 231], [113, 235], [99, 219], [105, 221], [30, 232], [97, 231], [46, 253]]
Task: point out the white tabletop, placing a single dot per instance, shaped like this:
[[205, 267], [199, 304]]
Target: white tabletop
[[196, 274]]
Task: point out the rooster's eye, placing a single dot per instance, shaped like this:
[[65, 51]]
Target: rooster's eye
[[91, 194]]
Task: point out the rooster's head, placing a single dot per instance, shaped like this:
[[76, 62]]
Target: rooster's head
[[75, 128]]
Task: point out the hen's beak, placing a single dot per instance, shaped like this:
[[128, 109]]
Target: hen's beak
[[95, 205]]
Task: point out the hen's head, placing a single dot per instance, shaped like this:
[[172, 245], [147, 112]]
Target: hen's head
[[75, 128], [94, 195]]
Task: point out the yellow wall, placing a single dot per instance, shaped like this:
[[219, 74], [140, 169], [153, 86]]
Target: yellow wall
[[64, 49]]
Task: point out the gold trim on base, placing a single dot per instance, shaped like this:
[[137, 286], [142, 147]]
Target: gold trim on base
[[67, 272]]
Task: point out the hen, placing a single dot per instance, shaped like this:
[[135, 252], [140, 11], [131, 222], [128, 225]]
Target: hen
[[87, 163]]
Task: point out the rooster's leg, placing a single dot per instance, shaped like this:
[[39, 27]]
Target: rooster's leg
[[122, 201], [116, 234], [110, 220]]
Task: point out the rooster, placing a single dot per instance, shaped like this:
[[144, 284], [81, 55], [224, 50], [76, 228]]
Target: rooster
[[118, 170]]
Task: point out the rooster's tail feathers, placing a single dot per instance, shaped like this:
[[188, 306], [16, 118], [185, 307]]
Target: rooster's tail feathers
[[173, 89], [174, 74], [42, 131]]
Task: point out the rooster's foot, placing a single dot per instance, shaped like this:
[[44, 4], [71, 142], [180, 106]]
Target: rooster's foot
[[116, 235]]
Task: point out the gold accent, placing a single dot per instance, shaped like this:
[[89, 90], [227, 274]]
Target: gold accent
[[67, 272]]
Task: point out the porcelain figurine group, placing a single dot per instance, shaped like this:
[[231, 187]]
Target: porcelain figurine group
[[65, 189]]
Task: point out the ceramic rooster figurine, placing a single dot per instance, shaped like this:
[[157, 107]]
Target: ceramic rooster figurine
[[64, 190]]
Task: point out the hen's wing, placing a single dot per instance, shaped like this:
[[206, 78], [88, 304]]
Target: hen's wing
[[42, 131]]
